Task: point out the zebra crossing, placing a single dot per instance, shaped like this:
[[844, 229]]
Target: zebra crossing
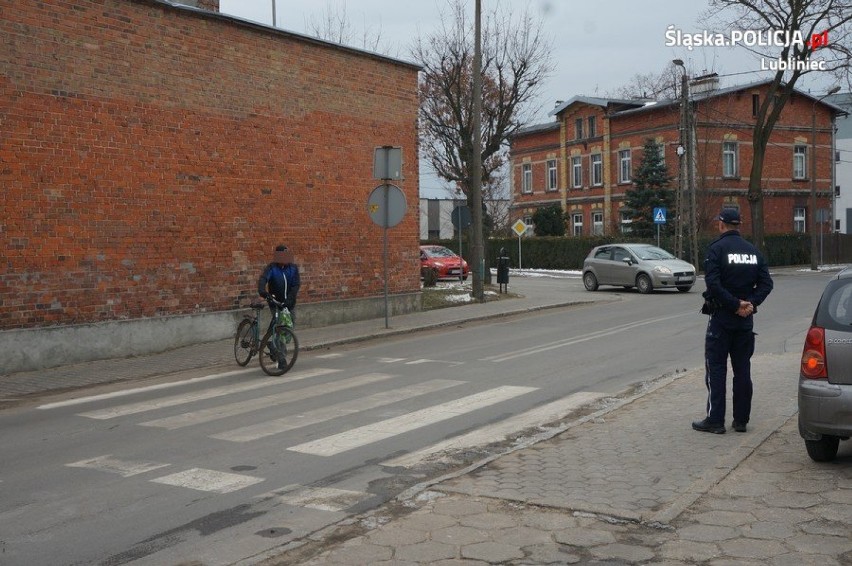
[[264, 395]]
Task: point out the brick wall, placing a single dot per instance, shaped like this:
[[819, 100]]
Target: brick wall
[[151, 158]]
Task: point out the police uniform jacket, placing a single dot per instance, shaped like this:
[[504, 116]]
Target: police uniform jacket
[[735, 270]]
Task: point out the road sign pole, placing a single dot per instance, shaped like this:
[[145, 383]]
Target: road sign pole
[[385, 250]]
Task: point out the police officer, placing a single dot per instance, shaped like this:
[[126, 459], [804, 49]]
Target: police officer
[[738, 282]]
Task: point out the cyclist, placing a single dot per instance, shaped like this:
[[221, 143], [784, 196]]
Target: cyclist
[[280, 279]]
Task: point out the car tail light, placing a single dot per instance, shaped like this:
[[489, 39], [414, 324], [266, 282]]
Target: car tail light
[[813, 355]]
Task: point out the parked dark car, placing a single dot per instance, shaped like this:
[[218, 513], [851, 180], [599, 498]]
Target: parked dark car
[[444, 261], [643, 266], [825, 377]]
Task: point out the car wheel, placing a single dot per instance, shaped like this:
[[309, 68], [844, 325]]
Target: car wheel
[[590, 281], [684, 288], [643, 283], [824, 449]]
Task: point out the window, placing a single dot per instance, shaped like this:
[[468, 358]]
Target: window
[[577, 223], [551, 175], [626, 222], [662, 149], [604, 253], [597, 224], [620, 254], [800, 162], [577, 171], [624, 166], [597, 170], [529, 222], [592, 128], [526, 178], [729, 159], [755, 104], [578, 128], [799, 220]]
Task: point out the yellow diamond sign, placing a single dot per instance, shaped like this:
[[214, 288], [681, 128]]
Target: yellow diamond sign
[[519, 227]]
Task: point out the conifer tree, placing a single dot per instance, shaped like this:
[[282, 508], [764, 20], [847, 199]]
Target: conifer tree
[[651, 190]]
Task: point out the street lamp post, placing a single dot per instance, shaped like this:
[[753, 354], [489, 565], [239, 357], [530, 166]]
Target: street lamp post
[[812, 216]]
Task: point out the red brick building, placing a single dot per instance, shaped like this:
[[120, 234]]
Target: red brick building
[[584, 160], [152, 155]]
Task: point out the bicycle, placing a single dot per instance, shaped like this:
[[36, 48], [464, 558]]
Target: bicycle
[[279, 347]]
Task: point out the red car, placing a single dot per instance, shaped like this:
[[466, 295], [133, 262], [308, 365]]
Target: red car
[[448, 264]]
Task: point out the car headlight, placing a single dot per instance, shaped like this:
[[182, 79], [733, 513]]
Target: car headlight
[[438, 264], [662, 269]]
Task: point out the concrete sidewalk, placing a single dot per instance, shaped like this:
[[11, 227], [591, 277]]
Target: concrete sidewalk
[[628, 484]]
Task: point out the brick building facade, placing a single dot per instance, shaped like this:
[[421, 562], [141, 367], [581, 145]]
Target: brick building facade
[[583, 161], [152, 155]]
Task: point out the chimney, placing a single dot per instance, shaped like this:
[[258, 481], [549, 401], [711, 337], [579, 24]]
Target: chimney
[[704, 83]]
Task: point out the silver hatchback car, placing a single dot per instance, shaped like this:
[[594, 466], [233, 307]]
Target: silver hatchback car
[[643, 266], [825, 377]]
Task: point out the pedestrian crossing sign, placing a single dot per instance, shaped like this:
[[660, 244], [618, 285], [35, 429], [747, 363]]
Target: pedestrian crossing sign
[[659, 215]]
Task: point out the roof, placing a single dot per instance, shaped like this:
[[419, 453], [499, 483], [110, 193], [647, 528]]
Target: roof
[[642, 105], [596, 101], [309, 39], [543, 127]]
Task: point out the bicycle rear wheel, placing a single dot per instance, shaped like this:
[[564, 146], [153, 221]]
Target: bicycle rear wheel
[[245, 343], [278, 351]]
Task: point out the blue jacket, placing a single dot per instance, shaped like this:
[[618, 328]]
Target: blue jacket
[[282, 282], [735, 270]]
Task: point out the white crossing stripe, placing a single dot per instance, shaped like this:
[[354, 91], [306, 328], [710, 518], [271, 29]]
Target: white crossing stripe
[[299, 420], [320, 498], [126, 392], [389, 360], [208, 480], [498, 432], [124, 468], [335, 444], [143, 406], [251, 405], [428, 361]]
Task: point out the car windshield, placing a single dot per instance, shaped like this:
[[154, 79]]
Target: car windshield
[[652, 252], [440, 252]]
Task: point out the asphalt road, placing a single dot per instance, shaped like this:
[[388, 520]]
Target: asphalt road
[[188, 470]]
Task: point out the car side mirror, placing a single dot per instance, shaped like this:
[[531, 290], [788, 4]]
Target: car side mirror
[[628, 261]]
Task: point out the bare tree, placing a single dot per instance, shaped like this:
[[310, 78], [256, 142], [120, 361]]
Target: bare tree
[[830, 19], [655, 86], [515, 62], [334, 24]]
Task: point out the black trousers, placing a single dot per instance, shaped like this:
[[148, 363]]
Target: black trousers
[[720, 343]]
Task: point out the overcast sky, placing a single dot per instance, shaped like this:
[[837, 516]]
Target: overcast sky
[[597, 46]]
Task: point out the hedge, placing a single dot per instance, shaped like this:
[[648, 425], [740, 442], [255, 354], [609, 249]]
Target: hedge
[[568, 253]]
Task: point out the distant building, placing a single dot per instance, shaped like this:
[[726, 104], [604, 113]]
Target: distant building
[[584, 160], [436, 216], [843, 164]]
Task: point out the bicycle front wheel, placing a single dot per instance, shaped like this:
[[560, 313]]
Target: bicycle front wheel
[[278, 351], [245, 343]]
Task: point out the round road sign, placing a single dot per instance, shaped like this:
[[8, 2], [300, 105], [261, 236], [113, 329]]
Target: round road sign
[[386, 205]]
